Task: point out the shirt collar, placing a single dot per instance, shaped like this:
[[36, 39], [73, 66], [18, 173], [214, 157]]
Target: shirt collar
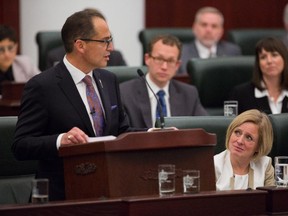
[[264, 93], [77, 75], [203, 51], [155, 88]]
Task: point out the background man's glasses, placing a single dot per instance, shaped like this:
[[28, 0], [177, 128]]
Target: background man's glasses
[[107, 41], [160, 61], [10, 49]]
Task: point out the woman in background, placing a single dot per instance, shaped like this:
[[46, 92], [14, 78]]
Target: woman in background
[[245, 164], [268, 89], [13, 67]]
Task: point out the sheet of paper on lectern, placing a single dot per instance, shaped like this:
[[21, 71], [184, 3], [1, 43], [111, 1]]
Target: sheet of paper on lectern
[[102, 138]]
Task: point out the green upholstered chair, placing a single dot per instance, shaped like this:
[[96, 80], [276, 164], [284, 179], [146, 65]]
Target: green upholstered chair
[[125, 73], [247, 38], [15, 176], [280, 129], [46, 41], [185, 35], [211, 124], [215, 78]]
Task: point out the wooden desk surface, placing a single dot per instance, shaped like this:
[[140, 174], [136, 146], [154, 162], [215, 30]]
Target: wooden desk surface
[[277, 200], [11, 96], [205, 203]]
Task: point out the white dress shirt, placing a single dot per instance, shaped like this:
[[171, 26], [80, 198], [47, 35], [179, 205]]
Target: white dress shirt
[[225, 178], [205, 52], [153, 101], [77, 76], [275, 106]]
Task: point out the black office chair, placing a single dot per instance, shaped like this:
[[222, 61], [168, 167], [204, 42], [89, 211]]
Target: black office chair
[[185, 35], [280, 129], [215, 78], [125, 73], [15, 176], [247, 38], [46, 41], [211, 124]]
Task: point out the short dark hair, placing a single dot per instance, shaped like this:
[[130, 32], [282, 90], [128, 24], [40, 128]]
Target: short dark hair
[[79, 25], [7, 32], [270, 44], [166, 39]]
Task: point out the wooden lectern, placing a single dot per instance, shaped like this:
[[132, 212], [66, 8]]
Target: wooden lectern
[[128, 165]]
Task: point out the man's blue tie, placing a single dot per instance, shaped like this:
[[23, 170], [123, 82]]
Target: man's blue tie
[[95, 106], [161, 95]]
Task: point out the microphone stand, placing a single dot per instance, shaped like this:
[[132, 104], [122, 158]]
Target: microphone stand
[[159, 107]]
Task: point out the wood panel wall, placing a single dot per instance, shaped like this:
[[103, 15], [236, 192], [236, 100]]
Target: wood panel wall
[[9, 15], [237, 13]]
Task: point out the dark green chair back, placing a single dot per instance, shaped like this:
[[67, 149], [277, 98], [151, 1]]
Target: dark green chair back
[[215, 78], [280, 129], [125, 73], [15, 176], [211, 124], [46, 41], [185, 35], [247, 38]]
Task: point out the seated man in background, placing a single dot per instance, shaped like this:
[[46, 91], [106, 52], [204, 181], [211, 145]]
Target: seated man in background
[[56, 55], [208, 31], [178, 99], [13, 67]]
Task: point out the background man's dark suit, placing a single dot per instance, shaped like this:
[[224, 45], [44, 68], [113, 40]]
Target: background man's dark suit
[[52, 105], [244, 94], [189, 51], [56, 55], [184, 101]]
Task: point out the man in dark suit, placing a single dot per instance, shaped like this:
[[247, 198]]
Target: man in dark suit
[[57, 54], [55, 110], [208, 30], [181, 99]]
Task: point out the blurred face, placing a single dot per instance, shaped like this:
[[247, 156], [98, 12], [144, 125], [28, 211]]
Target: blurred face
[[208, 28], [96, 54], [271, 64], [8, 51], [163, 63], [243, 142]]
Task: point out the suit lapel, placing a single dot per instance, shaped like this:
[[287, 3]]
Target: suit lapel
[[145, 108], [194, 50], [219, 51], [285, 105], [263, 105], [67, 85], [176, 100]]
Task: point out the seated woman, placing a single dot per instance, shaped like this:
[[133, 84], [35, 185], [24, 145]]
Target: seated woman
[[13, 67], [244, 163], [268, 89]]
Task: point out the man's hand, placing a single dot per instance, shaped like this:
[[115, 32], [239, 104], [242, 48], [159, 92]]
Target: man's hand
[[74, 136]]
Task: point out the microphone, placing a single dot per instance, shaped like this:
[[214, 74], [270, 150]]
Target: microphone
[[159, 107]]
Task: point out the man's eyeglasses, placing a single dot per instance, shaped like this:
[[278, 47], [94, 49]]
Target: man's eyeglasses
[[107, 41], [160, 61], [10, 48]]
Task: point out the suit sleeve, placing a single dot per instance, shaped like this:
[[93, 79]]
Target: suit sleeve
[[269, 175], [30, 141]]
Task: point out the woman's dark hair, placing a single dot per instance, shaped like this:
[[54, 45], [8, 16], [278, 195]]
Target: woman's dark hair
[[270, 44], [7, 32]]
